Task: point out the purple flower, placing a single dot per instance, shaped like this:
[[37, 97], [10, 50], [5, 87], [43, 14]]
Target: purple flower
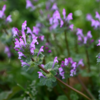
[[71, 26], [95, 23], [85, 40], [89, 34], [42, 65], [14, 31], [54, 7], [49, 51], [24, 37], [70, 60], [62, 64], [41, 37], [41, 50], [32, 45], [61, 72], [69, 17], [29, 30], [72, 72], [64, 13], [20, 55], [22, 44], [79, 32], [40, 74], [8, 19], [97, 15], [36, 30], [66, 62], [81, 62], [98, 43], [24, 25], [24, 63], [55, 61], [2, 11], [89, 17], [56, 16], [29, 4], [74, 65], [17, 44], [79, 38], [7, 51], [61, 23]]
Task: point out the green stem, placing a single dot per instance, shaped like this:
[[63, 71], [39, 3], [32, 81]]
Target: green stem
[[66, 41], [88, 61], [66, 84]]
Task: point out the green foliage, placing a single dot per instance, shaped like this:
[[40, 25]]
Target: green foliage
[[62, 97]]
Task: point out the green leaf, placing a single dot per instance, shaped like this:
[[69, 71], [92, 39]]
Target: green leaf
[[9, 94]]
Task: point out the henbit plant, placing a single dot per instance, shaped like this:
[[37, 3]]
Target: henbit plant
[[33, 46]]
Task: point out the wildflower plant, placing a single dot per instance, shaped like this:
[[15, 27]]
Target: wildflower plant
[[45, 51]]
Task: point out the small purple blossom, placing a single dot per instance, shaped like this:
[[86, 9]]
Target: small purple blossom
[[24, 25], [70, 60], [49, 51], [41, 50], [29, 4], [66, 62], [42, 65], [55, 61], [7, 51], [89, 34], [40, 74], [24, 63], [79, 32], [29, 30], [2, 11], [85, 40], [98, 43], [14, 31], [20, 55], [64, 13], [36, 30], [8, 19], [81, 62], [69, 17], [97, 15], [71, 26], [54, 7], [61, 72], [41, 37], [89, 17]]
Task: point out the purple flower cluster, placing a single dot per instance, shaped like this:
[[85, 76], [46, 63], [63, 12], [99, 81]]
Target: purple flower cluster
[[2, 14], [26, 41], [56, 19], [94, 23], [69, 63], [84, 39]]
